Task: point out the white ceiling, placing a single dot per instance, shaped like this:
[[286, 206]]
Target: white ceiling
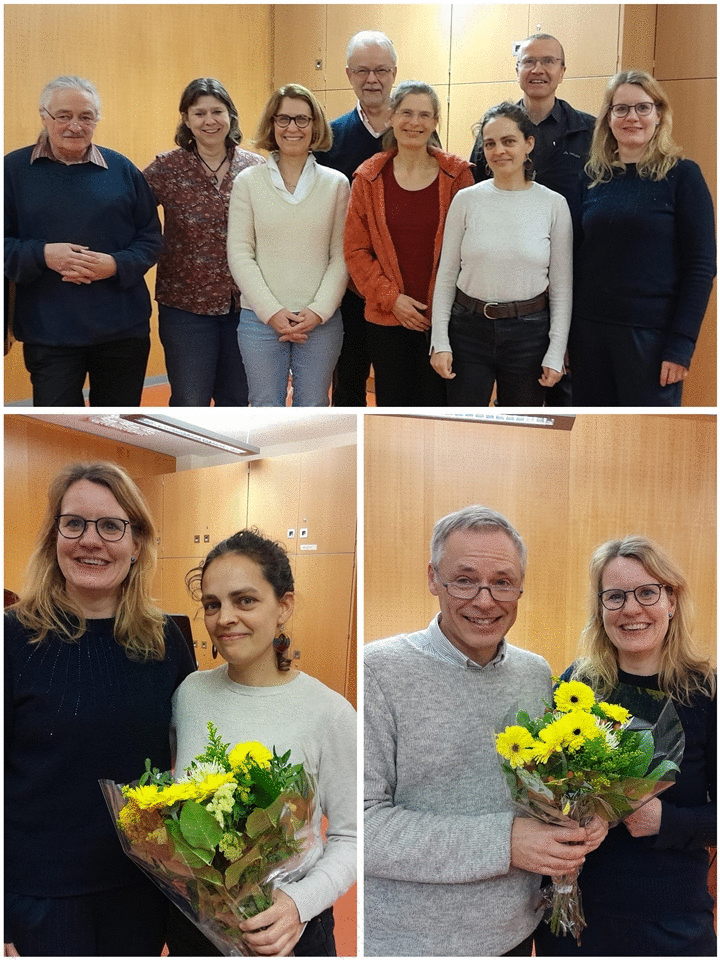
[[283, 431]]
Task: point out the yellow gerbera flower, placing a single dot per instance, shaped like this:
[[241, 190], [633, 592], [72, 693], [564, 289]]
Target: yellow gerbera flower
[[250, 751], [551, 739], [146, 797], [574, 695], [576, 728], [187, 790], [207, 787], [615, 712], [516, 744]]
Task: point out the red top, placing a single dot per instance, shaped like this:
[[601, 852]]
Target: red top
[[412, 217], [193, 272]]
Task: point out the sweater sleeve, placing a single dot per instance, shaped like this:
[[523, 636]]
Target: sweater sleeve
[[143, 250], [241, 248], [695, 233], [448, 272], [334, 282], [336, 871], [560, 276], [404, 844], [363, 263]]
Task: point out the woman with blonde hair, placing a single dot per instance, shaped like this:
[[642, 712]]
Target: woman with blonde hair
[[645, 888], [285, 250], [91, 665], [645, 258]]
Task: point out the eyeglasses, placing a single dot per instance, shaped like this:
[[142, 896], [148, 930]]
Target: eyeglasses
[[364, 72], [464, 589], [647, 595], [529, 63], [643, 109], [73, 527], [65, 119], [283, 120]]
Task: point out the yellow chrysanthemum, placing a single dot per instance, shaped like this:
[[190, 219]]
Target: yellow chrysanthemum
[[615, 712], [516, 744], [574, 695], [147, 797], [551, 739], [250, 751], [187, 790], [207, 787], [577, 727]]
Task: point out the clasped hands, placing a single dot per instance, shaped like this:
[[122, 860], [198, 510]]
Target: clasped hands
[[294, 327], [78, 264], [552, 850]]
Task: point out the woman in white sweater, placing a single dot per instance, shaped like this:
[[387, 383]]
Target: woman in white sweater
[[503, 295], [246, 589], [285, 250]]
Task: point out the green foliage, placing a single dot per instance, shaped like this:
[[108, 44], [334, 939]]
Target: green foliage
[[154, 777], [216, 750]]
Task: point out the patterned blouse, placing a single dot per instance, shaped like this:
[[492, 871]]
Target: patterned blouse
[[193, 272]]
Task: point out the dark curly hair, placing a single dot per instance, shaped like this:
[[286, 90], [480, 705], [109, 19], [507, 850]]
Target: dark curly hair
[[269, 555], [512, 111], [206, 87]]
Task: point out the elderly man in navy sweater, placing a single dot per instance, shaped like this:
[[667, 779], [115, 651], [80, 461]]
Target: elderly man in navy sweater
[[81, 231], [357, 135]]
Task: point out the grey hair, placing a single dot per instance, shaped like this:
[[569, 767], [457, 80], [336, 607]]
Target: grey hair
[[405, 89], [542, 36], [367, 38], [69, 83], [475, 517]]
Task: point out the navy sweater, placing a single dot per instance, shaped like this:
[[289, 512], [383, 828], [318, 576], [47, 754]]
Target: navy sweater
[[76, 713], [646, 255], [110, 211], [353, 144]]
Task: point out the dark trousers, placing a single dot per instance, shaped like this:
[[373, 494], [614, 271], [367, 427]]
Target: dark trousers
[[185, 940], [116, 370], [508, 353], [401, 362], [614, 365], [126, 922], [353, 366]]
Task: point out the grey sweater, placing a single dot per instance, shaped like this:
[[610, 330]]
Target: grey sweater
[[438, 814]]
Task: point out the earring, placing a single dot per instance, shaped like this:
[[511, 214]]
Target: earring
[[214, 652], [132, 559], [670, 616], [281, 643], [488, 171]]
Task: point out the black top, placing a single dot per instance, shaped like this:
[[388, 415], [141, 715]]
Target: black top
[[352, 145], [76, 713]]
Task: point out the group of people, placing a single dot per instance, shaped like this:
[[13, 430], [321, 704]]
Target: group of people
[[98, 679], [451, 867], [570, 261]]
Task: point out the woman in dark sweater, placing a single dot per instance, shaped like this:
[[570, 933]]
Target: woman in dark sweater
[[645, 888], [645, 258], [90, 668]]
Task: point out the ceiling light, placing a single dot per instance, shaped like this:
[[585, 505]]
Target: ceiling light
[[114, 422], [517, 419], [187, 431]]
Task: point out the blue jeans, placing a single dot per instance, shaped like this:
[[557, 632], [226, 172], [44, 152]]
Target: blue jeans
[[202, 358], [507, 352], [268, 362]]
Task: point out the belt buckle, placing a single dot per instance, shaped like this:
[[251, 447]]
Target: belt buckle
[[490, 304]]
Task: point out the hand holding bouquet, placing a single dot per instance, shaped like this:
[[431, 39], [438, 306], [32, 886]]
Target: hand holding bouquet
[[585, 758], [217, 841]]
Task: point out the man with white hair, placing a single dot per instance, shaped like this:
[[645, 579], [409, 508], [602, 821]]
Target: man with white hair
[[357, 135], [81, 231], [450, 869]]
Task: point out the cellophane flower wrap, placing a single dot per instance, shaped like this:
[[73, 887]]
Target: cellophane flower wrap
[[217, 841], [583, 758]]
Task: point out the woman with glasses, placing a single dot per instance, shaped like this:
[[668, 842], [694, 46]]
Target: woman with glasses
[[645, 258], [645, 888], [198, 302], [285, 235], [91, 665], [394, 232]]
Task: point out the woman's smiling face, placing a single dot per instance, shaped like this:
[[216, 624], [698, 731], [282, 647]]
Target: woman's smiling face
[[636, 631]]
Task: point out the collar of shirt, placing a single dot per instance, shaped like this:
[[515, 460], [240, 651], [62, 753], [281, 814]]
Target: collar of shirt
[[304, 184], [556, 115], [43, 149], [366, 123], [439, 646]]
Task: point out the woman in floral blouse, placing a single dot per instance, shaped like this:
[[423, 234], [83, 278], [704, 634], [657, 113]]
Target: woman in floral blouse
[[198, 301]]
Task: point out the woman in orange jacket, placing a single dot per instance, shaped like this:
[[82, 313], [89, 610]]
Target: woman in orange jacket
[[393, 237]]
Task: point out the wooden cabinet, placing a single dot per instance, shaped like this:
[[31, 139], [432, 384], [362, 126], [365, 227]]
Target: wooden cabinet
[[202, 507]]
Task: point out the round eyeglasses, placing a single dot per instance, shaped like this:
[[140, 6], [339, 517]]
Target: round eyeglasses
[[467, 589], [643, 109], [73, 527], [283, 120], [65, 119], [647, 595]]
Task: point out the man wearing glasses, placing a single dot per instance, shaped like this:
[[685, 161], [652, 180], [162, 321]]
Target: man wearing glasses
[[357, 135], [81, 231], [449, 869]]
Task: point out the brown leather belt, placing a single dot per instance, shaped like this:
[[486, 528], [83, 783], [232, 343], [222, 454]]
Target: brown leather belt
[[502, 311]]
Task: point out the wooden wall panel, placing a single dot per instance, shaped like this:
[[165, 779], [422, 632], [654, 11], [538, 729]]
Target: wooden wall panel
[[566, 492], [686, 42]]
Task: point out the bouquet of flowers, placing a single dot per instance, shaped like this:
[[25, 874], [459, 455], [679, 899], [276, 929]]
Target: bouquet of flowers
[[584, 758], [217, 841]]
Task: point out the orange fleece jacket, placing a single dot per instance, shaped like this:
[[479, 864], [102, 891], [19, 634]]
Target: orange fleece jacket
[[369, 251]]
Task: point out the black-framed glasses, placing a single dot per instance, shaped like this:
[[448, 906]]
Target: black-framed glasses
[[643, 109], [301, 120], [73, 527], [85, 120], [529, 63], [647, 595], [464, 589], [364, 72]]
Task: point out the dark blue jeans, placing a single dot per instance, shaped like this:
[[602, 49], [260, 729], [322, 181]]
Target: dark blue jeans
[[202, 358], [508, 353]]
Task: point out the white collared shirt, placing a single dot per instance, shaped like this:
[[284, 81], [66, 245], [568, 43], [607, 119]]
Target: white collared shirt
[[434, 643], [366, 123], [304, 184]]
